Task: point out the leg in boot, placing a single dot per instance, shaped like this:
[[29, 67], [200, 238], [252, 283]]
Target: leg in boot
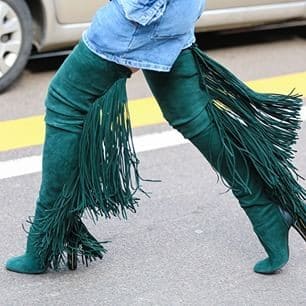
[[81, 80], [59, 160], [268, 223], [184, 105], [29, 262]]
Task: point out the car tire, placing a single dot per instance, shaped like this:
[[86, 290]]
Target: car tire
[[15, 40]]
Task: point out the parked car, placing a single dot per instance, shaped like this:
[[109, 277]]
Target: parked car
[[44, 25]]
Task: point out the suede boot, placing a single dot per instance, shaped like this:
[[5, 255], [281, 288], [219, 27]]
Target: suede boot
[[30, 262], [79, 83], [195, 100], [268, 223]]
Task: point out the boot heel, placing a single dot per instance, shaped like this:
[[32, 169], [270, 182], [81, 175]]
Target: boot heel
[[300, 227], [72, 261], [287, 217], [297, 224]]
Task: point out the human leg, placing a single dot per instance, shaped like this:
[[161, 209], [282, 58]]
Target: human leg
[[185, 104], [82, 80], [268, 223]]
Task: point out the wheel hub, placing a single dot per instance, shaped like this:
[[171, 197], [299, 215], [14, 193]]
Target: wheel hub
[[10, 37]]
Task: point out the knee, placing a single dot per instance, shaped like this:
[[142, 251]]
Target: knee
[[244, 196], [60, 113], [248, 197], [190, 127]]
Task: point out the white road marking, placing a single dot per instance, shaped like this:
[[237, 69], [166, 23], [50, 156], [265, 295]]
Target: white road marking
[[32, 164], [21, 166], [303, 113]]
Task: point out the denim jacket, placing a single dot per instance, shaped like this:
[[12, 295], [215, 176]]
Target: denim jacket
[[146, 34]]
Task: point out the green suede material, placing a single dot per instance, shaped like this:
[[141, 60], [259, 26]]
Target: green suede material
[[30, 262], [265, 216], [184, 104], [272, 231], [82, 79], [173, 91], [80, 82], [209, 144], [26, 264]]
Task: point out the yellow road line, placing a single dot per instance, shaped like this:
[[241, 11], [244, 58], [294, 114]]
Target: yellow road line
[[282, 84], [26, 132], [21, 133]]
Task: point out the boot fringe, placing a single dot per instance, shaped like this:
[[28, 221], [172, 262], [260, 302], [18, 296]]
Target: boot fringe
[[104, 184], [263, 126]]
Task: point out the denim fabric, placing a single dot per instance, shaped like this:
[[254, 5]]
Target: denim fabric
[[143, 12], [146, 34]]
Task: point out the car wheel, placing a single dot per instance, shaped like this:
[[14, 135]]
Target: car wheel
[[15, 40]]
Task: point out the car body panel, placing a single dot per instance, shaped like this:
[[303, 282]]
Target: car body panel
[[65, 20], [74, 11], [223, 4], [241, 17]]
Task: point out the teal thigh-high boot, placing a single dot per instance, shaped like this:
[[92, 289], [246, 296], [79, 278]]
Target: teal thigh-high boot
[[190, 104], [86, 98], [59, 160], [269, 224]]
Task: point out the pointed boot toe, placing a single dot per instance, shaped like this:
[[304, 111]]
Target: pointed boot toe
[[25, 264], [266, 266]]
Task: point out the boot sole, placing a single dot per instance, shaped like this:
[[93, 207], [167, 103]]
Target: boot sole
[[25, 271], [275, 271]]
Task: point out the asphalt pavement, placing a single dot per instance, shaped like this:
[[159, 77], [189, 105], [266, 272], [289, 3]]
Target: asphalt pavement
[[189, 243]]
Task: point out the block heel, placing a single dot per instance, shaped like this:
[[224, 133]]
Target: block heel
[[297, 224], [300, 227], [72, 261]]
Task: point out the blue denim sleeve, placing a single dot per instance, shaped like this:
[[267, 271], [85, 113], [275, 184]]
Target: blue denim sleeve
[[143, 12]]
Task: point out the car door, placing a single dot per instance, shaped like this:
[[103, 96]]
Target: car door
[[76, 11], [225, 14], [223, 4]]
